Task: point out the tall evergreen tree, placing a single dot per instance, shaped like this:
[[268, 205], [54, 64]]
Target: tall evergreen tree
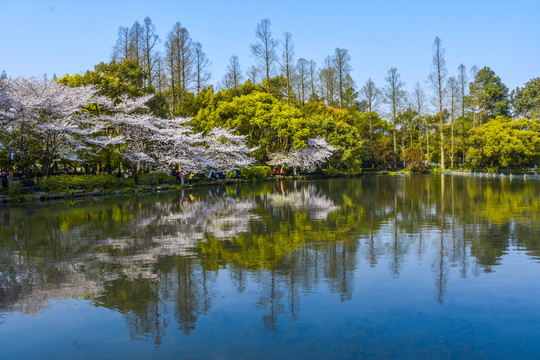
[[526, 100], [491, 93]]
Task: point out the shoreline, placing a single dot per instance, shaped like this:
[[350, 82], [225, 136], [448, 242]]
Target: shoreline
[[42, 197]]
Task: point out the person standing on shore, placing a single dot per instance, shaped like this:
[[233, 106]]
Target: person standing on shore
[[4, 179]]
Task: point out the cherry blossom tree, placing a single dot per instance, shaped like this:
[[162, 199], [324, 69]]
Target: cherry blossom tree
[[46, 122], [316, 152], [227, 151], [42, 119], [175, 144]]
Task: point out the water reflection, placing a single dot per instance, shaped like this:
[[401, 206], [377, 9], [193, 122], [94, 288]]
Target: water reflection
[[158, 259]]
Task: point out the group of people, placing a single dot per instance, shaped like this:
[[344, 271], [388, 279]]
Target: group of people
[[180, 175], [126, 174], [221, 175], [275, 170], [9, 176], [217, 175]]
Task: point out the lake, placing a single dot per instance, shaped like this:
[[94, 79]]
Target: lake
[[424, 266]]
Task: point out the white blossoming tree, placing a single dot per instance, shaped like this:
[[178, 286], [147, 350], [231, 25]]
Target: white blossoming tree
[[175, 144], [42, 121], [316, 153], [46, 122], [227, 151]]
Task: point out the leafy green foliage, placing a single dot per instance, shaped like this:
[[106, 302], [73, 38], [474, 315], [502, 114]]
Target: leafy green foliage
[[504, 142], [256, 172], [526, 100], [117, 79], [415, 159], [113, 80], [273, 124], [268, 123], [84, 182], [16, 189], [384, 154], [155, 179], [491, 94]]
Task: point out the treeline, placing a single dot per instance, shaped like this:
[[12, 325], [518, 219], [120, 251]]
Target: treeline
[[447, 133], [280, 101]]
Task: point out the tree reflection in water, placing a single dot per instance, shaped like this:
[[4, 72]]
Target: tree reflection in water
[[157, 258]]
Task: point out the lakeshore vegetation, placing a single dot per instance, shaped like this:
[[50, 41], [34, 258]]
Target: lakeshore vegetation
[[153, 107]]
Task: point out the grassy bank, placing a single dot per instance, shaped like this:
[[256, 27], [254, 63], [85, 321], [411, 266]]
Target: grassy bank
[[77, 186]]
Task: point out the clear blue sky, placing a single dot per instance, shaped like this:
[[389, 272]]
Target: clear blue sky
[[59, 37]]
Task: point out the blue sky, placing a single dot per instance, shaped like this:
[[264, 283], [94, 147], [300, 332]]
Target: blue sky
[[58, 37]]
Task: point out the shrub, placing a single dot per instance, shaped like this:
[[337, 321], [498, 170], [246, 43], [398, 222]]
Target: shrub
[[155, 178], [255, 173], [232, 175], [334, 172], [414, 157], [61, 183], [16, 189]]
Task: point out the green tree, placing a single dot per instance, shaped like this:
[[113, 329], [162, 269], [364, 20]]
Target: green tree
[[114, 79], [277, 86], [504, 142], [491, 94], [117, 79], [453, 92], [269, 123], [396, 97], [414, 157], [526, 100], [372, 97], [383, 151]]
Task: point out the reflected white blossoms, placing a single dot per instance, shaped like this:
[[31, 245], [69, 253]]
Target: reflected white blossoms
[[309, 199], [143, 234]]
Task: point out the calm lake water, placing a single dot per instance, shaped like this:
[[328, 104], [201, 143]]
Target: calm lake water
[[436, 266]]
